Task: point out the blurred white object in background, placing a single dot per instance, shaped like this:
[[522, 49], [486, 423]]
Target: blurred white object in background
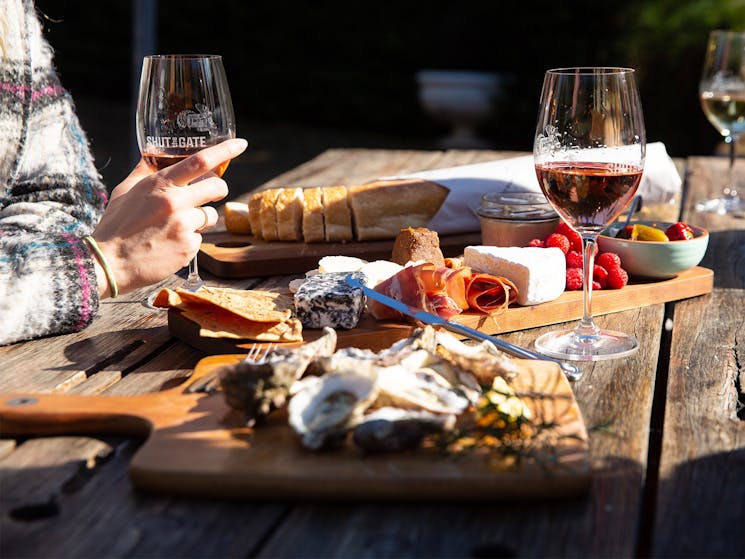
[[461, 99]]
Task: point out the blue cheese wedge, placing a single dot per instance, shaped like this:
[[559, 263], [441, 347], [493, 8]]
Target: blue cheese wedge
[[326, 300], [538, 273]]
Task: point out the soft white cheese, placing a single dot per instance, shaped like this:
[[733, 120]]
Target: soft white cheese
[[379, 271], [329, 264], [538, 273]]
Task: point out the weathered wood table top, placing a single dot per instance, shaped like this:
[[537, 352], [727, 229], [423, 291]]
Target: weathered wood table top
[[667, 434]]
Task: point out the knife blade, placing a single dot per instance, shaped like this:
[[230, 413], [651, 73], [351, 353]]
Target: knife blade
[[572, 372]]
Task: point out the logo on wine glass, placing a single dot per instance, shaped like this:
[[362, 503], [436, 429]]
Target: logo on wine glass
[[549, 142], [200, 120]]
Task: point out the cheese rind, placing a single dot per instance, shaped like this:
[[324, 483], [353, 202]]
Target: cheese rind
[[538, 273], [327, 300]]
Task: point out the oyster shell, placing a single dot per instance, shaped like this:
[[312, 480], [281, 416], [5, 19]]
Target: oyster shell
[[483, 360], [324, 408], [423, 388], [394, 429], [257, 388]]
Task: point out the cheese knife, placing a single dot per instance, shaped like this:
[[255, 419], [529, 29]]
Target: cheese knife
[[572, 372]]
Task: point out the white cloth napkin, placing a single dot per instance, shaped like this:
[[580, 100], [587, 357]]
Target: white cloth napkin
[[466, 183]]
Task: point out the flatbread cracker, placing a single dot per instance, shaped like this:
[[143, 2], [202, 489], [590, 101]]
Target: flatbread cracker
[[236, 313]]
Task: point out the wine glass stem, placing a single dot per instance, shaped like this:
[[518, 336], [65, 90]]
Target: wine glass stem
[[586, 327], [730, 189], [193, 281]]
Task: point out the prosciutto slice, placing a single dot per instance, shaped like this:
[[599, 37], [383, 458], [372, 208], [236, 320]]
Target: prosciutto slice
[[438, 290], [488, 293]]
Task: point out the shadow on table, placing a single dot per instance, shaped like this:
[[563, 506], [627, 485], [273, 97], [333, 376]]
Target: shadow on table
[[701, 507]]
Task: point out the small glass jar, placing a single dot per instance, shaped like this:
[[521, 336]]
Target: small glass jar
[[515, 218]]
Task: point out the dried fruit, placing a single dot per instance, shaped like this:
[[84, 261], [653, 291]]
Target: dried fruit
[[679, 232]]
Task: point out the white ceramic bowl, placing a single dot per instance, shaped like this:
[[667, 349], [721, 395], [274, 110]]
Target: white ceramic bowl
[[654, 259]]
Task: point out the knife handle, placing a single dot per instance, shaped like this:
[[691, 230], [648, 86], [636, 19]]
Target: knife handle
[[572, 372]]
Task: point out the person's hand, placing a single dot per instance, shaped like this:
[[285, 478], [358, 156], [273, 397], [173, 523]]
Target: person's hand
[[152, 223]]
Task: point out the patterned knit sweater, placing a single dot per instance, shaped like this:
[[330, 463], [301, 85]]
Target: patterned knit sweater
[[50, 192]]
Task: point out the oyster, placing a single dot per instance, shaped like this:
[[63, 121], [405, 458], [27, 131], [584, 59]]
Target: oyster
[[422, 388], [483, 360], [393, 429], [325, 408], [259, 387]]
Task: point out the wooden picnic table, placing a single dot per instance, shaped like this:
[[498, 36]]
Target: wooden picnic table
[[667, 434]]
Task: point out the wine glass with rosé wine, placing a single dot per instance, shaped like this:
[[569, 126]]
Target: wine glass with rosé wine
[[589, 153], [184, 106], [722, 94]]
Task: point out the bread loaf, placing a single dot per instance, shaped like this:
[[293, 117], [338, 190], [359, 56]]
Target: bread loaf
[[337, 218], [377, 210], [313, 228], [381, 209]]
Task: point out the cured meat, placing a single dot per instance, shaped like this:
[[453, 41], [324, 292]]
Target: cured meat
[[438, 290], [488, 293]]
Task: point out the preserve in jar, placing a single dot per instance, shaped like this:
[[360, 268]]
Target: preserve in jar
[[515, 218]]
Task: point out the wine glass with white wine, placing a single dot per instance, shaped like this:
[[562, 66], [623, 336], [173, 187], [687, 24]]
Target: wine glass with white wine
[[184, 106], [722, 94]]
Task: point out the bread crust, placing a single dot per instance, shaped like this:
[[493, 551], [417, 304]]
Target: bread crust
[[381, 209]]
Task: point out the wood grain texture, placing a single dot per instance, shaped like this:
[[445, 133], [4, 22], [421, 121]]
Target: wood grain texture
[[700, 498]]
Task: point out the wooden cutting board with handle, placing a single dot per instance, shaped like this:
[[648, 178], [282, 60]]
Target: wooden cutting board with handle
[[196, 445]]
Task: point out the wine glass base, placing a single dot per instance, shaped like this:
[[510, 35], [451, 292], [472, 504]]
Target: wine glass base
[[722, 206], [566, 344]]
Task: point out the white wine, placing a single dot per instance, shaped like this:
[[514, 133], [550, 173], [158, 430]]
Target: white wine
[[725, 110]]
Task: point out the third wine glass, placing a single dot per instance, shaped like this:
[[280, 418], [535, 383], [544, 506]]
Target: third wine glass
[[722, 94], [589, 155]]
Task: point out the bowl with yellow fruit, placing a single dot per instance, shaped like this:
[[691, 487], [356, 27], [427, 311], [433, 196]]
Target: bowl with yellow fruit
[[654, 249]]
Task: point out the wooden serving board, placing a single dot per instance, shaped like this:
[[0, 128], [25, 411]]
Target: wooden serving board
[[196, 445], [377, 335], [227, 255]]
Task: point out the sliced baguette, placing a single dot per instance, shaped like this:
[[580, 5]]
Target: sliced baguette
[[313, 227], [237, 218], [268, 214], [254, 213], [290, 214], [336, 215]]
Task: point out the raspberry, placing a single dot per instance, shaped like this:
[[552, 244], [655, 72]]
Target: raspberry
[[574, 259], [608, 260], [536, 243], [559, 241], [599, 276], [574, 279], [575, 239], [596, 286], [617, 278]]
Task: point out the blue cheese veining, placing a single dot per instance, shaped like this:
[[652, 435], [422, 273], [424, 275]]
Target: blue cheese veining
[[326, 300]]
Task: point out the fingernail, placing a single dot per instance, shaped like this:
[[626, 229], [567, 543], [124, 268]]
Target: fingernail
[[238, 145]]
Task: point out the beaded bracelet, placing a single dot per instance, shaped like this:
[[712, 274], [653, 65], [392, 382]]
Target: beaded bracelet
[[104, 264]]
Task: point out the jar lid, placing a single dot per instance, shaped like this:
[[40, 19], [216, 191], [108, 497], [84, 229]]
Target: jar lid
[[518, 206]]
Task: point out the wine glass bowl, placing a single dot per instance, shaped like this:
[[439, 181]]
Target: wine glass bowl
[[722, 96], [184, 106], [589, 153]]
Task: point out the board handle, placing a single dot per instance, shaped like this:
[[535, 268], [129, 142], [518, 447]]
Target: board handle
[[55, 414]]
